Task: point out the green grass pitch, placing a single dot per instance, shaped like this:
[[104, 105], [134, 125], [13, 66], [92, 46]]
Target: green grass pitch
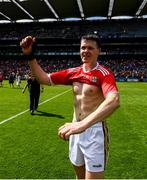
[[31, 149]]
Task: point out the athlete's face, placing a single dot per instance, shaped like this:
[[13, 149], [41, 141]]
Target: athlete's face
[[89, 51]]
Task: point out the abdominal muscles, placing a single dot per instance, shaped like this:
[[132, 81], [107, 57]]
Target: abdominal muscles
[[87, 98]]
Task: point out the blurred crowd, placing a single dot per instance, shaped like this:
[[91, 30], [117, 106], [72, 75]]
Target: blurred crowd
[[123, 69]]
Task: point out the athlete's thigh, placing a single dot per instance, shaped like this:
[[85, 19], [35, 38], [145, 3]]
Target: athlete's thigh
[[93, 148], [80, 171], [94, 175]]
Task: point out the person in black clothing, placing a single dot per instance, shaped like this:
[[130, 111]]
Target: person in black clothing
[[34, 90], [11, 79]]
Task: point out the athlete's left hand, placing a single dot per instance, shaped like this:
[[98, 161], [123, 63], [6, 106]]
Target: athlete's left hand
[[70, 128]]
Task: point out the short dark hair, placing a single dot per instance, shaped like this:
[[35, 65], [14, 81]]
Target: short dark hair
[[92, 37]]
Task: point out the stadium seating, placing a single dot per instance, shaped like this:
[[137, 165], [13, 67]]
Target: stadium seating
[[123, 43]]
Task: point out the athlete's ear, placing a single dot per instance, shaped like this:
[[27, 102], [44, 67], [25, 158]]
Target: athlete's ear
[[99, 49]]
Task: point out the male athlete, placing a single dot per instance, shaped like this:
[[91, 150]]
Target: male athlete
[[95, 98]]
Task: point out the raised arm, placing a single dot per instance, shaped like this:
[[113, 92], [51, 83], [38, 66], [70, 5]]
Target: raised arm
[[27, 45]]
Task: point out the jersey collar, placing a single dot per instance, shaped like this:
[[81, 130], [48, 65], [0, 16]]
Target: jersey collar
[[96, 67]]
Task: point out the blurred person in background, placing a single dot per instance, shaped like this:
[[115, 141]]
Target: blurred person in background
[[34, 91], [11, 79], [1, 79], [18, 79]]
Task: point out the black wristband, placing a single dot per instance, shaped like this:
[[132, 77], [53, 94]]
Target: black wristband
[[31, 56]]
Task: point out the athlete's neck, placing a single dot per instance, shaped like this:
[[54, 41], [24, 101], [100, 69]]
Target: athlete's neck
[[89, 67]]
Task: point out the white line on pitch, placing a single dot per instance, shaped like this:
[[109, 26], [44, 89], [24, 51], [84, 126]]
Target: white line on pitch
[[12, 117]]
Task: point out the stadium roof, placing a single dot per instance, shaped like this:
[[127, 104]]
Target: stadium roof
[[54, 10]]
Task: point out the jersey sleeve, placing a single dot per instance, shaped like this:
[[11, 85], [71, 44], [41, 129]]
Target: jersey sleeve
[[61, 77], [109, 85]]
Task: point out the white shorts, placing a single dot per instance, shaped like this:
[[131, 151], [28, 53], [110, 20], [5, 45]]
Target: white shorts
[[90, 148]]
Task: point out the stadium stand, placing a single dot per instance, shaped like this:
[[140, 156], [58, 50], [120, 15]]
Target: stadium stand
[[124, 44]]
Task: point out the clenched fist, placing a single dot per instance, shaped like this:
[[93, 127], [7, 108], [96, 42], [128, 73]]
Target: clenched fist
[[27, 45]]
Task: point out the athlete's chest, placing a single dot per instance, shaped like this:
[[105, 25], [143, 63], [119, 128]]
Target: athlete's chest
[[87, 78], [85, 89]]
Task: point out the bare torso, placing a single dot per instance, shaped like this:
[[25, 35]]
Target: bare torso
[[86, 99]]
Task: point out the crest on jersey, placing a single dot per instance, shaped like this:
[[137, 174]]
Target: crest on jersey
[[94, 79]]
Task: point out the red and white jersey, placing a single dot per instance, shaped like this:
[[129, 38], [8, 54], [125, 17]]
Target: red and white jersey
[[1, 77], [99, 76]]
